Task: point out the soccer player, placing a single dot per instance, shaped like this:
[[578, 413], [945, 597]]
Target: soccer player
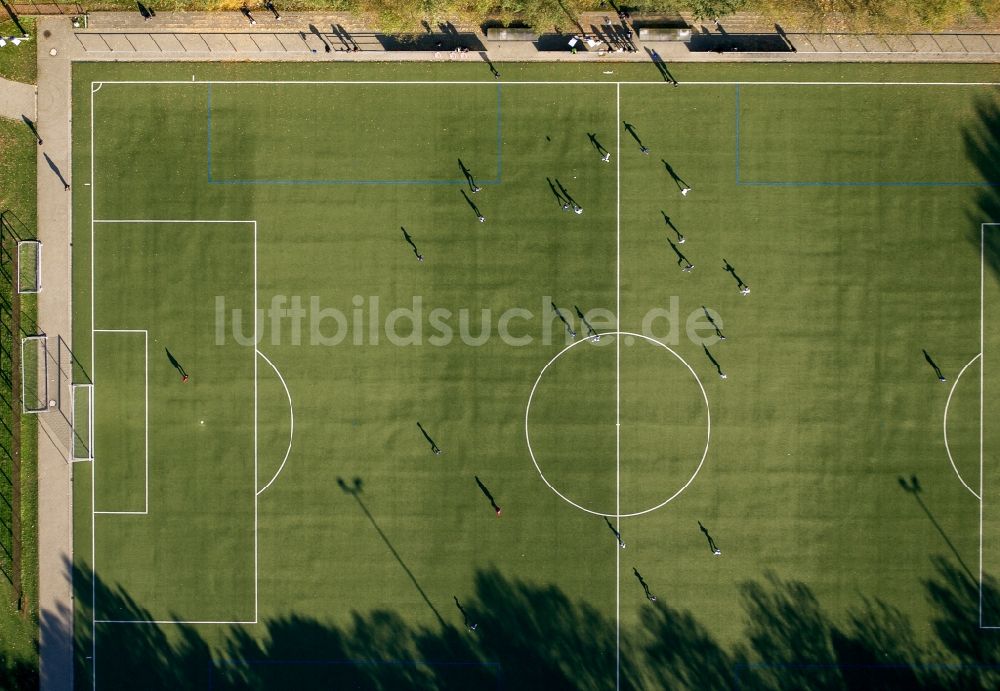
[[180, 368], [711, 543], [618, 536]]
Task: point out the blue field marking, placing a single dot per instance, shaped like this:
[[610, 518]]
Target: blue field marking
[[821, 183], [263, 181], [737, 134], [343, 662], [208, 138], [823, 666]]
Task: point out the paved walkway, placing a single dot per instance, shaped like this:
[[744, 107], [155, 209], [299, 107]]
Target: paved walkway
[[16, 99], [307, 36], [116, 36], [55, 495]]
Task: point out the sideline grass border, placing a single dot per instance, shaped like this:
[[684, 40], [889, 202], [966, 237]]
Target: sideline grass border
[[19, 628]]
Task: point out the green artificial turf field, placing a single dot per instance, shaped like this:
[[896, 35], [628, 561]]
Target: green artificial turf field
[[288, 297]]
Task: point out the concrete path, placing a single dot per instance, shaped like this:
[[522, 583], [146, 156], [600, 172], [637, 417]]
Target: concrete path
[[300, 36], [55, 495], [16, 99]]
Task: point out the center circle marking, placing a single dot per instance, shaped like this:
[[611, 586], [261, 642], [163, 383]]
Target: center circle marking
[[629, 339]]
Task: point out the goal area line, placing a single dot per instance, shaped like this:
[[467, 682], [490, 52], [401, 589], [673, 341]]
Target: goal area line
[[145, 424]]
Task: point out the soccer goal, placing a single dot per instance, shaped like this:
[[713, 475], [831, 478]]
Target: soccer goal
[[29, 266], [35, 374]]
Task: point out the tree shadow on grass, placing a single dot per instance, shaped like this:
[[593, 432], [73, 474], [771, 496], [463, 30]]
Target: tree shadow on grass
[[17, 674], [536, 637], [982, 146]]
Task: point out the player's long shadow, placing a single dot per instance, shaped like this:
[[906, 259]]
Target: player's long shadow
[[630, 128], [472, 205], [597, 145], [355, 491], [565, 193], [913, 487], [469, 178], [681, 184], [661, 66], [555, 193]]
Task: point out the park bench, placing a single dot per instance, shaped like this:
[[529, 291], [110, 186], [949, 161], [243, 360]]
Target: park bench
[[504, 33], [653, 33]]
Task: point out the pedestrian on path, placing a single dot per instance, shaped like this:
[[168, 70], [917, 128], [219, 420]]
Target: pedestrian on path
[[31, 126]]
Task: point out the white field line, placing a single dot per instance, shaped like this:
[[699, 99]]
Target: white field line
[[93, 475], [145, 338], [538, 83], [169, 621], [90, 422], [618, 381], [947, 447], [708, 426], [256, 480], [982, 366], [291, 428], [166, 220]]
